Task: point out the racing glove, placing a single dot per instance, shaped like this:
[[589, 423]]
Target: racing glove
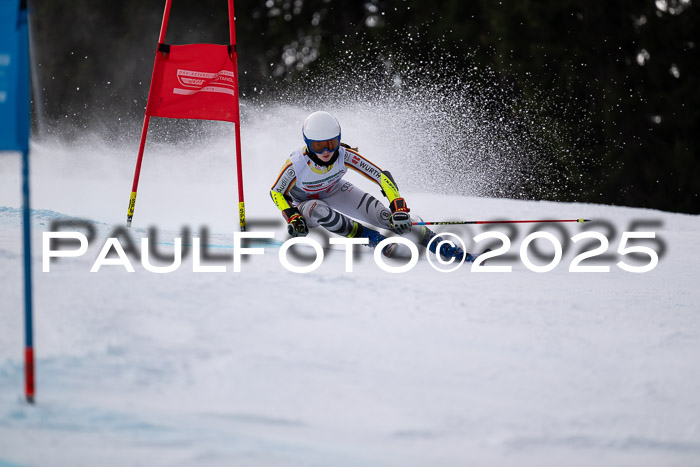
[[296, 225], [400, 219]]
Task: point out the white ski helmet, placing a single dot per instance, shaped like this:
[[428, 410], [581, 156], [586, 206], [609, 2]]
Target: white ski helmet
[[320, 126]]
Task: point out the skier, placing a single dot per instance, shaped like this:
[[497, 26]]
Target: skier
[[310, 192]]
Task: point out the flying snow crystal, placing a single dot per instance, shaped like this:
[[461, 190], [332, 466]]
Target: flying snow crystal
[[642, 57]]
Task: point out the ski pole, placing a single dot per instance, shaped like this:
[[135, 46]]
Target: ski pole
[[581, 221]]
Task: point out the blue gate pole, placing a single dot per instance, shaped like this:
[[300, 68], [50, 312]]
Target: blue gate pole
[[28, 323]]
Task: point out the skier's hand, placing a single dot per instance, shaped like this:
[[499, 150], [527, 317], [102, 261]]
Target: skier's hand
[[400, 219], [296, 226]]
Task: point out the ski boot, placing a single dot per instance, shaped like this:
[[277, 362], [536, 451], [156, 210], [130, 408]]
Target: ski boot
[[447, 250], [375, 238]]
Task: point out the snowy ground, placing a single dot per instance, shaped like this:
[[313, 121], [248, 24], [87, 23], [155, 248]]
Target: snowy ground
[[270, 368]]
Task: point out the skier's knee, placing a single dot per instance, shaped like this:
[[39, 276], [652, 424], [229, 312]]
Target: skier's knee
[[317, 211]]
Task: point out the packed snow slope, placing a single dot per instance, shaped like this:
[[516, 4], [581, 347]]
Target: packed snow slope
[[266, 367]]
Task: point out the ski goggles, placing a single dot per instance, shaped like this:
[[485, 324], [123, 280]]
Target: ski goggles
[[319, 147]]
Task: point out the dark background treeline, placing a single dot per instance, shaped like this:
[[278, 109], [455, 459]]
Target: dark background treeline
[[625, 69]]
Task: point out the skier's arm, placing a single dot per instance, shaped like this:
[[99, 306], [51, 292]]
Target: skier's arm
[[356, 162], [400, 220], [296, 225]]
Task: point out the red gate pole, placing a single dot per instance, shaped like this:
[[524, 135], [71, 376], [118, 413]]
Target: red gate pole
[[146, 119], [239, 164]]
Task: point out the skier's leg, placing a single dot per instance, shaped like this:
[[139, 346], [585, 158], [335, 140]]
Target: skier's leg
[[319, 213], [356, 203]]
